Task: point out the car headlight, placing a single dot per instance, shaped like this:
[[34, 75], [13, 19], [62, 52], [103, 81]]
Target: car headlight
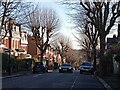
[[59, 67], [70, 68], [81, 68], [91, 67]]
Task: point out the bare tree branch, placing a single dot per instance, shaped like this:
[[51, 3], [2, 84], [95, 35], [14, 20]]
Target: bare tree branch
[[43, 24]]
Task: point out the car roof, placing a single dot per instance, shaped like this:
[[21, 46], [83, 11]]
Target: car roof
[[86, 62], [66, 64], [38, 62]]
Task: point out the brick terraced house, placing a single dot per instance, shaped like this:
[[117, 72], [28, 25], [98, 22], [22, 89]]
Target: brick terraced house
[[15, 41]]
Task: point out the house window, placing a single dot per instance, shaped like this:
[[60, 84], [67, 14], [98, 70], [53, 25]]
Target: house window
[[14, 28], [7, 43], [13, 43], [16, 44]]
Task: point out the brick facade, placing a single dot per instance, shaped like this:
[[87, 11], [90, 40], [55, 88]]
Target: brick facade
[[32, 48], [14, 41]]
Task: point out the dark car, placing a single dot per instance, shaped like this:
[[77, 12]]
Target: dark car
[[86, 67], [66, 68], [39, 67]]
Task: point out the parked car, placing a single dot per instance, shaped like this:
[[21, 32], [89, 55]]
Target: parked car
[[66, 68], [39, 67], [86, 67]]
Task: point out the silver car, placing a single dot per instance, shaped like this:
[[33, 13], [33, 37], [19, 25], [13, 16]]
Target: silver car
[[66, 68], [86, 67]]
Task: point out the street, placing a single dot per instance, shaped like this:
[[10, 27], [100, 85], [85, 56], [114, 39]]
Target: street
[[54, 80]]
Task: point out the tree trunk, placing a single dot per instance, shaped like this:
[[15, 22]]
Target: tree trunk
[[62, 53], [41, 56], [94, 56], [102, 58], [62, 58], [119, 69], [109, 63]]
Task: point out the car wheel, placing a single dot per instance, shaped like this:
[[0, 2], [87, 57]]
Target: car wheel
[[92, 72], [60, 71], [43, 71], [71, 71], [46, 70], [33, 72], [80, 72]]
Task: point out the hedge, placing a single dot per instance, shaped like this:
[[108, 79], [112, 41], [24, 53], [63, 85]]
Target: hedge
[[15, 64], [6, 62]]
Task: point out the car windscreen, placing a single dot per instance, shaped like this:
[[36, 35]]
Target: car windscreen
[[65, 65], [86, 64], [38, 63]]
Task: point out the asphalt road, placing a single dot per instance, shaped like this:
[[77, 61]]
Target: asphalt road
[[54, 80]]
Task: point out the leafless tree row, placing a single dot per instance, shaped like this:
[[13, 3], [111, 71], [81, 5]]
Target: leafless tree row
[[102, 16], [65, 49]]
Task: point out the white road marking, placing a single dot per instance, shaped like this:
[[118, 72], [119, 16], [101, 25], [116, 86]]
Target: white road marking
[[74, 82]]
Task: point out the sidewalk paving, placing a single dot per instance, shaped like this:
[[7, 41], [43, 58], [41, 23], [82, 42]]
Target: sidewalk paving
[[106, 85], [16, 74], [113, 81]]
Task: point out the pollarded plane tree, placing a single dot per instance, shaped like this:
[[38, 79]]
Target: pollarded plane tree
[[66, 50], [92, 34], [43, 24], [64, 45]]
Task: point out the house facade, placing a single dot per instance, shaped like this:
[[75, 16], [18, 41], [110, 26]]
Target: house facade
[[114, 45], [32, 47], [15, 42], [21, 45]]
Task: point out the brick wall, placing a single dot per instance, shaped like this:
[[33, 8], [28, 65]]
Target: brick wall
[[32, 48]]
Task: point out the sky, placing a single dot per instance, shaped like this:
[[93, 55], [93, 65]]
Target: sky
[[66, 27], [67, 24]]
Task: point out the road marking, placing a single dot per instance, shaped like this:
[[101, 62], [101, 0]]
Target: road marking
[[74, 82], [37, 75]]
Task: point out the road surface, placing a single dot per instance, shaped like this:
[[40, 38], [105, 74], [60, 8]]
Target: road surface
[[54, 80]]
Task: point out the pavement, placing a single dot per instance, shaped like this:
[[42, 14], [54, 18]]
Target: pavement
[[113, 81], [17, 74], [110, 83], [105, 84]]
